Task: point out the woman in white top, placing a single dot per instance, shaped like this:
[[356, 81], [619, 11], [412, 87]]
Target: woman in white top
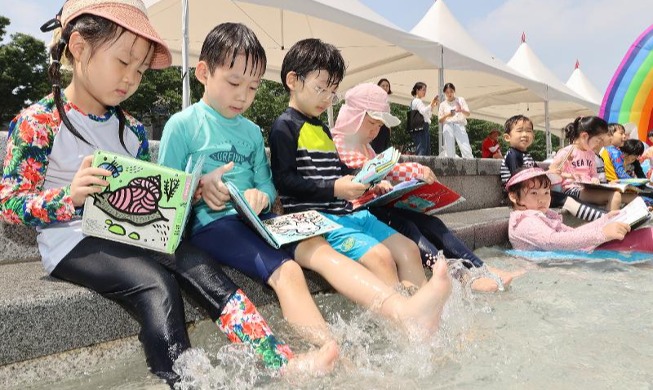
[[422, 137], [453, 115]]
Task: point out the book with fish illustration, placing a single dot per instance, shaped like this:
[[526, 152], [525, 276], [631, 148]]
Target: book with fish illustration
[[413, 195], [616, 186], [145, 204], [283, 229], [377, 168]]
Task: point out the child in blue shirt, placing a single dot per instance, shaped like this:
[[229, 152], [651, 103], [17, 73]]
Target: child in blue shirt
[[232, 62]]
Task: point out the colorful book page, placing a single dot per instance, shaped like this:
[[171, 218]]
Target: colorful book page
[[145, 204], [374, 170], [282, 229]]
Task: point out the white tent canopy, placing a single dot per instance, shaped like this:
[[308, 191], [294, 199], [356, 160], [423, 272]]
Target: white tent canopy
[[561, 104], [371, 46], [580, 84], [493, 90]]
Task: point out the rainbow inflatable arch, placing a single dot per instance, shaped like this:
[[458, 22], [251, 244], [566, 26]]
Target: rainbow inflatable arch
[[629, 97]]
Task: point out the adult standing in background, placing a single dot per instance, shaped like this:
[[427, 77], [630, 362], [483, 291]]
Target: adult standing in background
[[422, 137], [453, 115], [382, 140]]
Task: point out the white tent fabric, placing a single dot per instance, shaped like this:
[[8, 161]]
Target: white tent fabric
[[371, 46], [493, 90], [562, 104], [580, 84]]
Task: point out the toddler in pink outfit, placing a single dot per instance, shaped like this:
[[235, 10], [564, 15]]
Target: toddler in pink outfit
[[533, 226]]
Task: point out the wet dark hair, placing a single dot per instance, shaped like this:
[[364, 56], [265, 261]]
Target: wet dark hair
[[228, 40], [310, 55], [513, 120], [520, 188], [418, 85], [389, 85], [97, 31], [633, 147], [447, 86], [592, 125], [612, 127]]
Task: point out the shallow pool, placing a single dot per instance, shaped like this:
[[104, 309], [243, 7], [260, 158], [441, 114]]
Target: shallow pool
[[563, 326]]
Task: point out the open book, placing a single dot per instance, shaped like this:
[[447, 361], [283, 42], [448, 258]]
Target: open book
[[377, 168], [283, 229], [633, 182], [634, 213], [145, 204], [621, 187], [413, 195]]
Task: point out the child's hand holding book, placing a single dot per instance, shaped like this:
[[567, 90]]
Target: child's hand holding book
[[213, 190], [345, 188], [257, 200]]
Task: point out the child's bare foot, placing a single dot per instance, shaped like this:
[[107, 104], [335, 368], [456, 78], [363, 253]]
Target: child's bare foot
[[420, 314], [314, 363], [486, 284]]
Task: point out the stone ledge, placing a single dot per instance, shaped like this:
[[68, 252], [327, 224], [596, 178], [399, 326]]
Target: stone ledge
[[43, 316]]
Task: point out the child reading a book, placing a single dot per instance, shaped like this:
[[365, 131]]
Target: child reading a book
[[231, 64], [617, 134], [519, 134], [109, 45], [619, 160], [365, 110], [576, 163], [309, 175], [533, 226]]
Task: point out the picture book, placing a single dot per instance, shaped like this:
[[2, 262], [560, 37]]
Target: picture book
[[414, 195], [621, 187], [145, 204], [633, 182], [634, 213], [283, 229], [377, 168]]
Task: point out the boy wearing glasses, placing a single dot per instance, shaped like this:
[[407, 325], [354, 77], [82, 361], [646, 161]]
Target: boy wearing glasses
[[308, 173]]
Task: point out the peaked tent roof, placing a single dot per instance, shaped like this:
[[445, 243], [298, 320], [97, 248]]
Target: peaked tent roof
[[371, 46], [580, 84], [564, 104]]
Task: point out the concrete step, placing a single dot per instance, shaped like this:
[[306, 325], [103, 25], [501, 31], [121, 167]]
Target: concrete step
[[40, 315]]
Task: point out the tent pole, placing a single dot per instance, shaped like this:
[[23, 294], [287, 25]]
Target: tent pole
[[547, 124], [185, 100], [440, 88]]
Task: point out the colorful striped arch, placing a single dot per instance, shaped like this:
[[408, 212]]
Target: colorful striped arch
[[629, 97]]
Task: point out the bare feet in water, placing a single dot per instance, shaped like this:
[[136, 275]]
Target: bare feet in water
[[486, 284], [420, 314], [314, 363]]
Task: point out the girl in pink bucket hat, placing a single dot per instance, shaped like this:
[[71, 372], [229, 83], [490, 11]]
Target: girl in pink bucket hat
[[366, 108], [533, 226], [109, 45]]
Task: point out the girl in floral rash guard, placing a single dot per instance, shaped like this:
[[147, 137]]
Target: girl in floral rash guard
[[47, 176]]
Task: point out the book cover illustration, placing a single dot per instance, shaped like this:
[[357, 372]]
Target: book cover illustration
[[377, 168], [428, 199], [417, 196], [145, 204], [633, 182], [621, 187], [370, 199], [282, 229]]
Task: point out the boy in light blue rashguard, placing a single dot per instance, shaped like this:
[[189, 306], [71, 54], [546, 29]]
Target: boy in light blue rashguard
[[231, 64]]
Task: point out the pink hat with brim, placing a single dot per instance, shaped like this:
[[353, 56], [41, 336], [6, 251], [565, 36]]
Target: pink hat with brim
[[363, 99], [130, 14], [530, 173]]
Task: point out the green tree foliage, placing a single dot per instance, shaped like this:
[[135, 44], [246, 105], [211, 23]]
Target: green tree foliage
[[23, 72]]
